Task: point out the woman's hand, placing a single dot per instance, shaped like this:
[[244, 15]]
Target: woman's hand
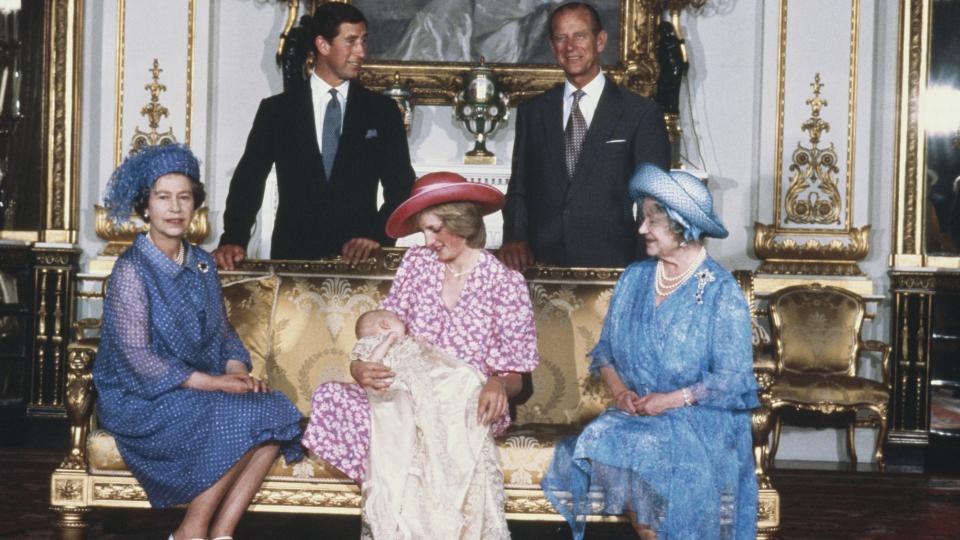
[[655, 403], [628, 401], [371, 375], [240, 383], [493, 401]]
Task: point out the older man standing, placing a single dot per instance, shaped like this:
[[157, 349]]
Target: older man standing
[[332, 141], [576, 146]]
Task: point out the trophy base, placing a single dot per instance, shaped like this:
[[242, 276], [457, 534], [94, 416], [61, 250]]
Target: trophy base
[[480, 160]]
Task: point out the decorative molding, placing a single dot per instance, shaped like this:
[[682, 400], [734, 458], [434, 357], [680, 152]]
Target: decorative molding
[[118, 491], [814, 170], [843, 219], [153, 111], [790, 256], [305, 497], [61, 104], [68, 490]]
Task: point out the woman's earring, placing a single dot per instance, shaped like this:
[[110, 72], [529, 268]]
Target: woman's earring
[[683, 243], [146, 215]]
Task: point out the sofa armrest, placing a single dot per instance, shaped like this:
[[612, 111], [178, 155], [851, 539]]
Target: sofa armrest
[[79, 400]]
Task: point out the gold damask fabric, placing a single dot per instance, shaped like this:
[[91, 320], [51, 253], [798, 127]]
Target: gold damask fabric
[[817, 332], [249, 303], [313, 332], [819, 388], [525, 453], [569, 318]]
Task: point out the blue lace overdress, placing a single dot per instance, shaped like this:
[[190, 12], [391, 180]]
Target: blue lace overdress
[[162, 322], [687, 473]]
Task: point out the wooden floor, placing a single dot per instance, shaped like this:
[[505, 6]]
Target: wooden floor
[[819, 504]]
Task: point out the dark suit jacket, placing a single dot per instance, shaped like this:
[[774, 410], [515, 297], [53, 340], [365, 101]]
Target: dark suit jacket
[[316, 217], [586, 221]]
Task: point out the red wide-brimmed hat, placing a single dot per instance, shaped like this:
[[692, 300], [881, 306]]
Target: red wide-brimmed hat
[[438, 188]]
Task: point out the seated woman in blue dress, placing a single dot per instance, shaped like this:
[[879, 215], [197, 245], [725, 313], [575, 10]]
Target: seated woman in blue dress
[[674, 452], [171, 373]]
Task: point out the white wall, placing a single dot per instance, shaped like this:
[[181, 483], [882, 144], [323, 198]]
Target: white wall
[[727, 113]]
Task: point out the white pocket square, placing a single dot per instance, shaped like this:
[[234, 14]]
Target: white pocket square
[[615, 141], [371, 134]]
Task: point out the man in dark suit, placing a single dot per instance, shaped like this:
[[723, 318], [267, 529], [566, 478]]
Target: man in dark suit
[[576, 147], [332, 142]]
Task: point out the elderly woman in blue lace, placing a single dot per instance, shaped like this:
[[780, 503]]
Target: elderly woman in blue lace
[[172, 376], [674, 451]]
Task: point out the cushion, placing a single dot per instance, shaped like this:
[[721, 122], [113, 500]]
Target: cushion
[[249, 304], [525, 453], [313, 331], [821, 388]]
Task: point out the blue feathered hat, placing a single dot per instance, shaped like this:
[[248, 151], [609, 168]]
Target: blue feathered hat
[[681, 193], [134, 178]]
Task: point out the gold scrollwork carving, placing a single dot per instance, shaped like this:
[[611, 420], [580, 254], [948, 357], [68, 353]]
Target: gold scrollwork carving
[[79, 401], [529, 505], [68, 490], [120, 236], [294, 497], [790, 256], [153, 111], [106, 491], [813, 169]]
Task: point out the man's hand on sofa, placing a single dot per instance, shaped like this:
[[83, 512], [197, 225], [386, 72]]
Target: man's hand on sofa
[[229, 255], [357, 250], [516, 255], [371, 375]]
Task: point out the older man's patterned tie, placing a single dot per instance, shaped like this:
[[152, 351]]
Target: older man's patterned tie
[[331, 132], [574, 134]]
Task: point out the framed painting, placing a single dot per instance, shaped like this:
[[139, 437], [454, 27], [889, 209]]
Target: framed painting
[[430, 44]]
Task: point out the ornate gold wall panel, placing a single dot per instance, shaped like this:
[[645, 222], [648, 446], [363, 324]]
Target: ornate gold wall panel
[[813, 230], [179, 83]]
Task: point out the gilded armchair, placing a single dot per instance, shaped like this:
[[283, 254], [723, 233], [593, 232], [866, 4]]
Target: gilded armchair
[[816, 336]]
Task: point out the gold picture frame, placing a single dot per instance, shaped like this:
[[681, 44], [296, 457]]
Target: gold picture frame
[[911, 208], [436, 82]]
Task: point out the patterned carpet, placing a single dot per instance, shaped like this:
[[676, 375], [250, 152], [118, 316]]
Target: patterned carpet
[[822, 504]]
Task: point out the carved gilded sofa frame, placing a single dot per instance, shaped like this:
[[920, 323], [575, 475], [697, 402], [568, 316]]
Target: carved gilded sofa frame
[[79, 485], [816, 347]]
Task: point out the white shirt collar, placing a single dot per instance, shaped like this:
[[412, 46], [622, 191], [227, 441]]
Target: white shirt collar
[[321, 88], [593, 88]]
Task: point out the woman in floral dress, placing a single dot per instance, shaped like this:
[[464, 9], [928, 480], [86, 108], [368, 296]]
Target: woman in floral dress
[[460, 298], [674, 452]]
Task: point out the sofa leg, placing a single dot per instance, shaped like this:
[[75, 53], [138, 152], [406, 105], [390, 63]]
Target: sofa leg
[[71, 523]]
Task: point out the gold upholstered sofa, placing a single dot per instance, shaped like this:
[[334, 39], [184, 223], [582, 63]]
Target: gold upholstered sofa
[[297, 320]]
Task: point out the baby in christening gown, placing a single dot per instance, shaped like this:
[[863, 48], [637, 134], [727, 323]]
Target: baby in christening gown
[[425, 477]]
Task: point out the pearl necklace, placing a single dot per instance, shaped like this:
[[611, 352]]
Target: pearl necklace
[[459, 275], [181, 253], [666, 285]]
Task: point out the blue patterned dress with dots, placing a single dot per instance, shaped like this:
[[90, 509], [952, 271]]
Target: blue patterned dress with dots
[[687, 473], [161, 323]]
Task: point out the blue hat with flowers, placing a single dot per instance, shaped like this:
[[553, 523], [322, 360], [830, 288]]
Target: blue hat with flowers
[[682, 194], [134, 178]]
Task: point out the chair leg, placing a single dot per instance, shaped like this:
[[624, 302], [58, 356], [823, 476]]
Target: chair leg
[[774, 442], [71, 523], [881, 438], [851, 447]]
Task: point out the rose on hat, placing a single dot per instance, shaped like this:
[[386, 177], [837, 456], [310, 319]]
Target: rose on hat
[[134, 178], [681, 192], [438, 188]]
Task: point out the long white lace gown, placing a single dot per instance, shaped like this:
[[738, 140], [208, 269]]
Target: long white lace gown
[[433, 471]]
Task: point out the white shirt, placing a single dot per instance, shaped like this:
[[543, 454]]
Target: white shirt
[[588, 103], [320, 91]]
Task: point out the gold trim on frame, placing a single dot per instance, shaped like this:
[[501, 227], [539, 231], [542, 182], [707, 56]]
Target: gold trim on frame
[[810, 256], [120, 63], [778, 218], [61, 103], [435, 83]]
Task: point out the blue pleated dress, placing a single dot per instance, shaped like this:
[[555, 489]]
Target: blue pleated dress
[[162, 322], [687, 473]]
